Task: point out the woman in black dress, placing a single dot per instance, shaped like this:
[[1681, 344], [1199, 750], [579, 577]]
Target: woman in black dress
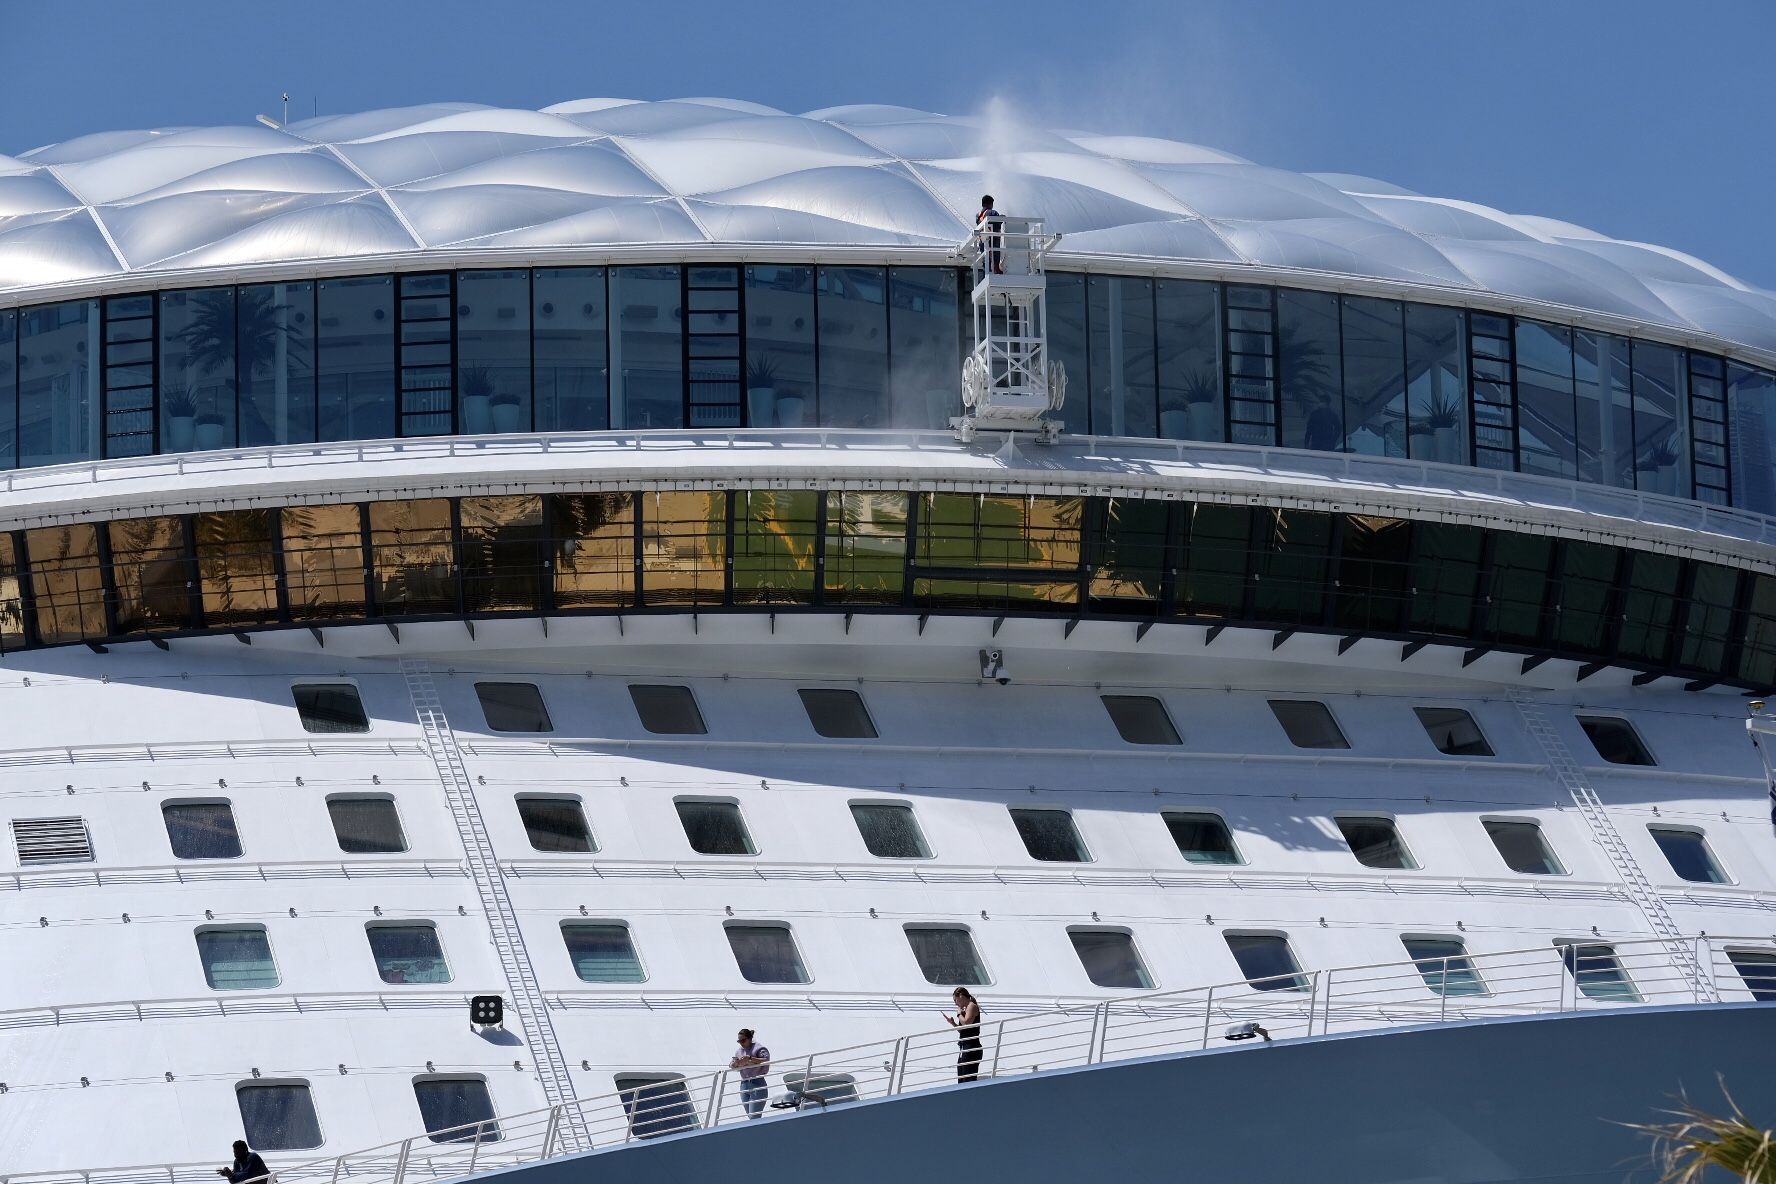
[[966, 1021]]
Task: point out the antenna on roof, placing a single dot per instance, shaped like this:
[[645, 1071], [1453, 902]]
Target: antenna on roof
[[268, 121], [286, 108]]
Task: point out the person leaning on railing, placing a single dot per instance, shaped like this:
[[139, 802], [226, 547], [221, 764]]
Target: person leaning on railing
[[753, 1061], [247, 1165], [966, 1021]]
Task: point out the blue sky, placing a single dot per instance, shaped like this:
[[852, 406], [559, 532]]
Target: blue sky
[[1642, 120]]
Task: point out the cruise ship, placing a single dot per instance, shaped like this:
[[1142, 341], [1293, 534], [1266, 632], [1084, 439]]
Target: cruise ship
[[494, 602]]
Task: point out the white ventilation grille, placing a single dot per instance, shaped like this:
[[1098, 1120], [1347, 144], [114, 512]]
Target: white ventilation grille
[[51, 840]]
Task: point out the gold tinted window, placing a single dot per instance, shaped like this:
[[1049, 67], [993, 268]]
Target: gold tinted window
[[504, 554], [866, 542], [594, 550], [683, 547], [415, 571], [324, 561], [150, 573], [774, 535], [67, 581], [236, 567], [12, 604]]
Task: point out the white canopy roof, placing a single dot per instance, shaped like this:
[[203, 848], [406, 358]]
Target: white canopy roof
[[619, 173]]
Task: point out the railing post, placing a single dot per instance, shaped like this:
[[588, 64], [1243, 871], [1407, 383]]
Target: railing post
[[550, 1130], [717, 1095], [998, 1044], [401, 1161], [897, 1065], [1325, 1008], [1313, 999], [1208, 1015], [475, 1151], [338, 1163], [1091, 1042], [1443, 992]]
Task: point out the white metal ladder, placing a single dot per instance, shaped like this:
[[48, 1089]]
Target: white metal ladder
[[502, 920]]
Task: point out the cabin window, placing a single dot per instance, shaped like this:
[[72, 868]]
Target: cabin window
[[1376, 842], [556, 824], [236, 958], [408, 953], [278, 1115], [366, 825], [602, 952], [1598, 972], [1049, 835], [1110, 958], [1616, 740], [714, 828], [1267, 961], [1201, 838], [1309, 724], [656, 1104], [837, 714], [201, 830], [1453, 731], [1444, 965], [1141, 719], [330, 707], [513, 707], [1758, 969], [1687, 852], [456, 1109], [946, 955], [889, 830], [667, 710], [1521, 845], [766, 954]]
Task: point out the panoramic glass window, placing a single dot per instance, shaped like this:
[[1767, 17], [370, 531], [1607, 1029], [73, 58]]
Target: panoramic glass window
[[413, 558], [278, 1115], [1376, 842], [1521, 845], [1597, 972], [323, 561], [1309, 724], [237, 567], [837, 714], [493, 342], [1110, 958], [201, 830], [555, 824], [505, 556], [150, 574], [1758, 969], [409, 953], [569, 346], [513, 707], [667, 710], [775, 535], [779, 346], [1688, 853], [1201, 838], [924, 341], [1191, 406], [275, 356], [1616, 740], [236, 958], [58, 383], [594, 550], [1141, 719], [355, 352], [656, 1103], [67, 582], [1267, 961], [946, 955], [51, 840], [602, 952], [866, 543], [1453, 731], [766, 953], [366, 825], [714, 828], [646, 347], [1049, 835], [330, 707], [889, 830], [684, 535], [1444, 965], [449, 1103]]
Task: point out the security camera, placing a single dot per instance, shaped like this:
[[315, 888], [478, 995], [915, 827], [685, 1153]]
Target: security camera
[[993, 666]]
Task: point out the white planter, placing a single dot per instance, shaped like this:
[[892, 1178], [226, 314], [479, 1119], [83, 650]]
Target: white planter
[[179, 433], [789, 411], [477, 416], [209, 435], [508, 417], [761, 406], [1444, 442], [1205, 421], [1174, 423]]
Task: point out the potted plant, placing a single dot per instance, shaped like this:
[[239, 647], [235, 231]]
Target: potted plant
[[209, 430], [1202, 407], [1658, 467], [180, 412], [477, 389], [761, 392], [508, 412], [1440, 420]]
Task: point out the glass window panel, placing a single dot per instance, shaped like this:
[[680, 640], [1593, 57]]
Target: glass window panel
[[1309, 364], [1649, 606], [1757, 657], [1520, 566], [505, 554], [571, 344], [1688, 854], [1445, 577], [1444, 965], [1453, 731], [946, 956], [1374, 375], [198, 339], [493, 384], [1309, 724], [1751, 410], [1002, 532], [1547, 430], [1587, 582], [766, 954], [151, 574], [1266, 961], [602, 952], [1436, 384], [513, 707], [1188, 321], [12, 603], [1616, 740], [1126, 548], [1067, 345], [853, 305], [556, 824], [780, 346], [1521, 845], [837, 714], [889, 830], [447, 1103], [1110, 958], [646, 348], [355, 358], [408, 954], [684, 540], [1376, 842], [667, 710], [201, 830], [414, 565], [1050, 836], [323, 561], [1758, 969], [1708, 617], [714, 828], [1140, 719], [1212, 582], [278, 1116], [1374, 573], [1602, 378], [656, 1105], [924, 346], [775, 531], [1123, 377], [1661, 450], [59, 354], [330, 707], [67, 582], [275, 354], [1598, 972], [237, 567], [8, 388], [366, 826], [1292, 566], [237, 959], [1201, 838], [594, 553], [866, 547]]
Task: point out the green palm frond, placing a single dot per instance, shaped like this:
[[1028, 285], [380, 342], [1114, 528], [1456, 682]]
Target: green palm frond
[[1696, 1140]]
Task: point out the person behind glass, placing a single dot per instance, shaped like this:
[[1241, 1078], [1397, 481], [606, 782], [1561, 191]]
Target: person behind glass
[[753, 1061], [247, 1165], [988, 226], [966, 1021]]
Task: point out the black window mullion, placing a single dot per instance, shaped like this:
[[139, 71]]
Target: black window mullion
[[820, 503], [194, 614], [107, 578], [910, 554], [457, 576], [372, 602]]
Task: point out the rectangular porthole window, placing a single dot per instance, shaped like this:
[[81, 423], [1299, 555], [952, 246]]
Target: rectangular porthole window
[[201, 830], [602, 952], [1049, 835], [1110, 958], [456, 1109], [714, 828], [513, 707], [236, 958], [946, 955], [556, 824], [1267, 961], [1687, 852], [656, 1103], [667, 710], [1598, 972], [51, 840], [1758, 969], [1444, 965], [366, 825], [1201, 838], [889, 830], [1616, 740], [1521, 845], [1141, 719], [837, 715], [408, 953], [1376, 842], [1309, 724], [330, 707], [766, 954], [1453, 731], [278, 1115]]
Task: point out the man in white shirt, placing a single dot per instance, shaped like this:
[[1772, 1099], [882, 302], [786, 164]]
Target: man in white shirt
[[753, 1061]]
